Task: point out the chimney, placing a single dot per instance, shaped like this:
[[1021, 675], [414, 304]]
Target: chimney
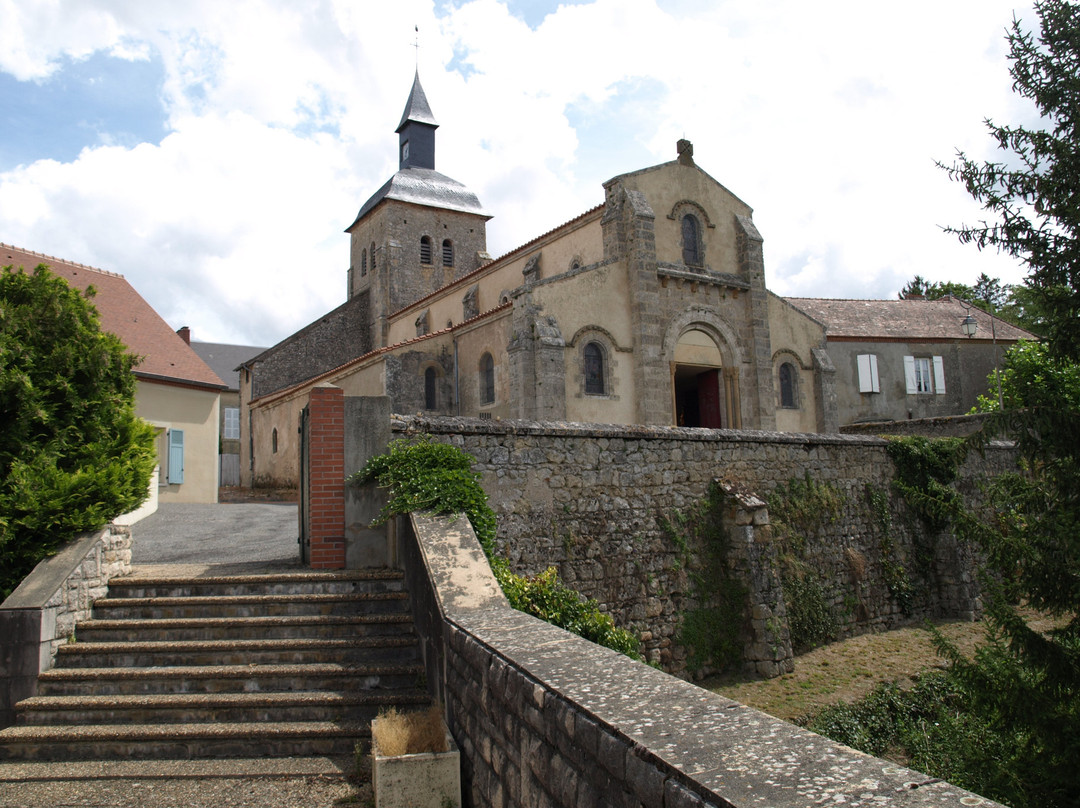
[[185, 334]]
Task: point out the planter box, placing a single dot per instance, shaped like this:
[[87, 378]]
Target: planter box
[[418, 781]]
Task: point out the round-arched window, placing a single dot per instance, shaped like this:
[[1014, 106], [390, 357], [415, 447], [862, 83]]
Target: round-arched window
[[788, 386], [593, 356]]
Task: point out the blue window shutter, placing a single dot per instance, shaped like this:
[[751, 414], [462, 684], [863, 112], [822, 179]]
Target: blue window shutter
[[176, 456]]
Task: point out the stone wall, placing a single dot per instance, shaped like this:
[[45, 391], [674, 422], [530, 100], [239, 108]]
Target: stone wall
[[545, 718], [593, 501], [40, 615]]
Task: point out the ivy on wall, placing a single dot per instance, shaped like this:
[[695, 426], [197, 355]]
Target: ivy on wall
[[799, 509], [712, 630]]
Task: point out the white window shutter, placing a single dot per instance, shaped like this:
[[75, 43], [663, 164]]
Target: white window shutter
[[909, 375], [176, 456], [868, 374], [939, 376]]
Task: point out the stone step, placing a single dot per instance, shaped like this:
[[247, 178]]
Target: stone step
[[171, 741], [377, 649], [171, 608], [202, 708], [227, 679], [248, 628], [273, 584]]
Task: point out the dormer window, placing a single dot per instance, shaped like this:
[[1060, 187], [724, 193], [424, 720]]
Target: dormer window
[[405, 152]]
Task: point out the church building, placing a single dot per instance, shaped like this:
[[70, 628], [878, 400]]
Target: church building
[[650, 308]]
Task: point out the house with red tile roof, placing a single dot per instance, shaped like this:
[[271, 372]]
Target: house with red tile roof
[[176, 391]]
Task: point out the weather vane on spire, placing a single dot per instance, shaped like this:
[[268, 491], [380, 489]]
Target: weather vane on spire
[[416, 45]]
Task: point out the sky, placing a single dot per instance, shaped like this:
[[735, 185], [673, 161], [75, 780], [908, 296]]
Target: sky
[[214, 152]]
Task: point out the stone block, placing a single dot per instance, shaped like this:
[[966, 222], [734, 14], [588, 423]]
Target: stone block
[[644, 780]]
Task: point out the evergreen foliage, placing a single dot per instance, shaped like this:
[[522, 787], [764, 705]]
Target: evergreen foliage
[[1022, 690], [73, 454], [1030, 195]]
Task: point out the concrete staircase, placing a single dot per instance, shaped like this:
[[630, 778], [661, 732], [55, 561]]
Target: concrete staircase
[[289, 665]]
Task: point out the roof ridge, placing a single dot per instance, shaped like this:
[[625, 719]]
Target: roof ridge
[[285, 391], [62, 260]]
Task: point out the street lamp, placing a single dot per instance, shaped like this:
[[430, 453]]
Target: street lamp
[[969, 326]]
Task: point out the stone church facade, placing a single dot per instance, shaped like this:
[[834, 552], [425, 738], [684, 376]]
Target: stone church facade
[[650, 308]]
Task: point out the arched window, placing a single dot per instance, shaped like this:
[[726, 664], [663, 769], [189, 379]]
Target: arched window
[[447, 253], [273, 440], [594, 369], [788, 385], [373, 256], [425, 249], [487, 379], [431, 399], [363, 263], [691, 241]]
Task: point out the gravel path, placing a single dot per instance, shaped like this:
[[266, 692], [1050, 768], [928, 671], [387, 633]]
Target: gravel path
[[255, 534]]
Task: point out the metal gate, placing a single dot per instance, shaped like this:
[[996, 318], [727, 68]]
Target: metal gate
[[303, 503]]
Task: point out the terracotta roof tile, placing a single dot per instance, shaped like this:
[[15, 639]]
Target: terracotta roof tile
[[126, 314], [911, 319]]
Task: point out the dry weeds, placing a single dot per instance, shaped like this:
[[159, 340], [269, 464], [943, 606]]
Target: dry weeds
[[398, 733]]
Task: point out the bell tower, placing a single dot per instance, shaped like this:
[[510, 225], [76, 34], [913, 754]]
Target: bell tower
[[419, 232]]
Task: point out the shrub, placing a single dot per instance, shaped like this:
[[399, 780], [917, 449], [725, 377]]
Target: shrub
[[73, 454]]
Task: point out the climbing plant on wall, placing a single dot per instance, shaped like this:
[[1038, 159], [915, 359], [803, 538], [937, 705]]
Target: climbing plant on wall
[[798, 510], [711, 630]]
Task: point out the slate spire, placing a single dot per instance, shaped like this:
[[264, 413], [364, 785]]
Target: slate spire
[[416, 132]]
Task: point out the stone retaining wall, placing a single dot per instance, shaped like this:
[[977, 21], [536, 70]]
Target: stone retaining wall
[[593, 500], [543, 717], [40, 615]]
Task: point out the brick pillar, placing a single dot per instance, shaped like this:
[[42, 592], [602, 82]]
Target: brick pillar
[[326, 487]]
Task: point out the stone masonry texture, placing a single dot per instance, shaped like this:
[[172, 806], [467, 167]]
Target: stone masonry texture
[[590, 501]]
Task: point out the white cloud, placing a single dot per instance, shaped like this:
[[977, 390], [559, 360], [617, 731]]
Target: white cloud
[[825, 120]]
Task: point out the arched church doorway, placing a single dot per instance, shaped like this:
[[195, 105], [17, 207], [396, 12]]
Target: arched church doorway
[[701, 386]]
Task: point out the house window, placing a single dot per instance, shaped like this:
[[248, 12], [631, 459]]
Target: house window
[[373, 256], [487, 379], [425, 249], [273, 441], [447, 253], [868, 374], [919, 376], [363, 263], [232, 424], [431, 401], [788, 382], [691, 241], [594, 369]]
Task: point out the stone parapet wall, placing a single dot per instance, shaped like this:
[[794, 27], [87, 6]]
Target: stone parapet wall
[[40, 615], [592, 500], [543, 717]]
